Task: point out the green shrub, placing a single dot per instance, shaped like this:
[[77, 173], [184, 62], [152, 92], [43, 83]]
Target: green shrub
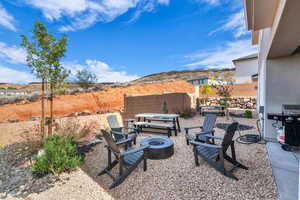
[[12, 88], [61, 154], [165, 108], [248, 114]]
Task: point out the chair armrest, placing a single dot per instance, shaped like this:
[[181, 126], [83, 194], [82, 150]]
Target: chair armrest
[[205, 132], [192, 127], [215, 137], [125, 141], [118, 133], [131, 151], [127, 127], [205, 145], [189, 137]]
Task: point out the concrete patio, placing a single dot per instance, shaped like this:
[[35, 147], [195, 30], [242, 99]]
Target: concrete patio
[[285, 166]]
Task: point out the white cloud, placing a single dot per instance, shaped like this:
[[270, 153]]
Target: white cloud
[[12, 54], [235, 23], [85, 13], [102, 70], [8, 75], [6, 19], [211, 2], [222, 56]]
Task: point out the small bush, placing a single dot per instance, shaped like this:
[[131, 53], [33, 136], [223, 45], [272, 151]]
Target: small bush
[[12, 88], [248, 114], [61, 154], [33, 97], [186, 113], [34, 138], [165, 108], [8, 99], [74, 128]]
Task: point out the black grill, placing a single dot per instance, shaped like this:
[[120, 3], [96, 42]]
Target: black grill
[[290, 118]]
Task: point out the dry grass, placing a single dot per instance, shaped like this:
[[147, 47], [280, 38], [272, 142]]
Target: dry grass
[[73, 127]]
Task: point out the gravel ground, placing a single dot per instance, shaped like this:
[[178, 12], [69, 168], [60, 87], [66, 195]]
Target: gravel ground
[[74, 186], [174, 178], [179, 178]]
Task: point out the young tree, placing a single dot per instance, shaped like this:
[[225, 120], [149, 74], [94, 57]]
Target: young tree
[[43, 57], [85, 79], [206, 90], [224, 91]]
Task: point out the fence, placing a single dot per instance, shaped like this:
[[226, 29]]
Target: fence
[[173, 102]]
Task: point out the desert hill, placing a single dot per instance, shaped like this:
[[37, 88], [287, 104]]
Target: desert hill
[[227, 74]]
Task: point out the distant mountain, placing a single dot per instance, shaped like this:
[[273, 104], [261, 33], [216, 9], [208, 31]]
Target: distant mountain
[[227, 74]]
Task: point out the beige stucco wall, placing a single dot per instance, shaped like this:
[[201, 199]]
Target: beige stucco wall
[[244, 69], [282, 86]]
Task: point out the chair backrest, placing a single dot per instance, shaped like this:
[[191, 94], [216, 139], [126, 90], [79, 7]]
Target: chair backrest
[[209, 122], [113, 122], [230, 131], [109, 140]]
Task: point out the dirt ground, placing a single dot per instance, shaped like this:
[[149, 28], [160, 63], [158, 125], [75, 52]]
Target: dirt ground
[[110, 99]]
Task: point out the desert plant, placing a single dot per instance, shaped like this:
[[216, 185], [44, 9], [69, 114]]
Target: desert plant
[[12, 88], [33, 97], [165, 107], [206, 90], [33, 138], [85, 79], [60, 155], [248, 114], [74, 128], [10, 99]]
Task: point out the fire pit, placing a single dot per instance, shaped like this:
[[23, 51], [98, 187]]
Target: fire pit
[[160, 147]]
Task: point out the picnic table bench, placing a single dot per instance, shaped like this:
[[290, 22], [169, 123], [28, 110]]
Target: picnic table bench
[[147, 126], [146, 122]]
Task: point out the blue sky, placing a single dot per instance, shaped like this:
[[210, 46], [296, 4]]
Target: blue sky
[[120, 40]]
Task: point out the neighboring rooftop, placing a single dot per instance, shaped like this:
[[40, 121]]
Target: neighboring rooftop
[[251, 56]]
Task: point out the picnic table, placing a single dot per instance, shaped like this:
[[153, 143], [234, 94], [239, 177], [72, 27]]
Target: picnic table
[[169, 122], [218, 110]]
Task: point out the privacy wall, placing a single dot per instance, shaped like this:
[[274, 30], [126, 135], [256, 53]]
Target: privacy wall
[[175, 102]]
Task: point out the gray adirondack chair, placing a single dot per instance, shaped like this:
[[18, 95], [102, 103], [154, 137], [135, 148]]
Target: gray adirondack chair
[[128, 160], [215, 154], [207, 128], [117, 131]]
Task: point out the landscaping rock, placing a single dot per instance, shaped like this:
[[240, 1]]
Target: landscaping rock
[[17, 180]]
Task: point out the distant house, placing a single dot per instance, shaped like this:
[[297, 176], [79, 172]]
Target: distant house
[[245, 68], [7, 92], [206, 80]]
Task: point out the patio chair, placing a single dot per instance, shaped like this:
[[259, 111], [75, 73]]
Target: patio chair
[[128, 160], [207, 128], [215, 154], [117, 131]]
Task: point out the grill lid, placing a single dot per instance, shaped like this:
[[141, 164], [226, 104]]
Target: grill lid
[[289, 109]]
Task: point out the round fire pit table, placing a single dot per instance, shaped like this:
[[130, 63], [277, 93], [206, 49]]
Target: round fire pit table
[[159, 147]]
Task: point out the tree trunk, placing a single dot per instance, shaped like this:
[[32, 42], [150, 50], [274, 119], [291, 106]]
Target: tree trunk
[[51, 110], [43, 108]]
